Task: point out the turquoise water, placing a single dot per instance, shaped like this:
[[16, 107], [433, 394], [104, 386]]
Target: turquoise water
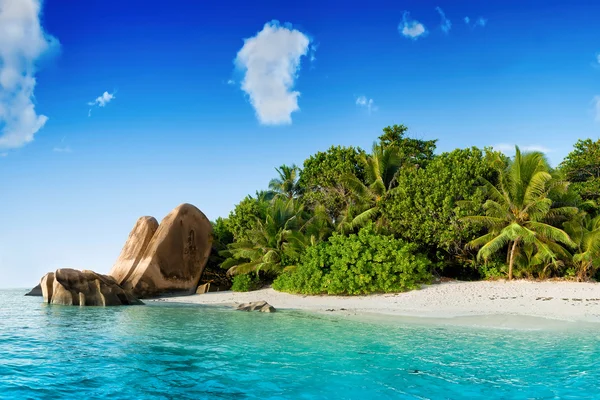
[[189, 352]]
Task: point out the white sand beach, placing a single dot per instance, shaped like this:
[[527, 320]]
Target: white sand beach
[[566, 301]]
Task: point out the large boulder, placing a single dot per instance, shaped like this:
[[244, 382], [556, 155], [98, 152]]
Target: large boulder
[[175, 258], [36, 291], [84, 288], [134, 248]]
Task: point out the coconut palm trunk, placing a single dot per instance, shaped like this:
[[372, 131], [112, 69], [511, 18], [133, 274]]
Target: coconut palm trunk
[[512, 259]]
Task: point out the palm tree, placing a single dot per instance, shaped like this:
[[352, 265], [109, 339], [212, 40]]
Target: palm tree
[[518, 210], [287, 182], [585, 232], [382, 167], [277, 241]]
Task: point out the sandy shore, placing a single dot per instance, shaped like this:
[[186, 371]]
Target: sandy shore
[[567, 301]]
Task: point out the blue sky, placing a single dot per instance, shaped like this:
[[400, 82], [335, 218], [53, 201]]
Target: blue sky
[[141, 106]]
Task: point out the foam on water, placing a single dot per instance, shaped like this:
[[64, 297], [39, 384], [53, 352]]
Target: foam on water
[[165, 351]]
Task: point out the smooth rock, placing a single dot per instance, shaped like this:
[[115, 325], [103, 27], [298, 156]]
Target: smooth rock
[[261, 306], [86, 288], [137, 243], [267, 308], [47, 283], [175, 257], [205, 288], [36, 291]]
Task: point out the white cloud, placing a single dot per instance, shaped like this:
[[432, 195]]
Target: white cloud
[[66, 149], [231, 82], [510, 148], [22, 43], [3, 154], [481, 22], [411, 28], [271, 62], [369, 104], [101, 101], [446, 25]]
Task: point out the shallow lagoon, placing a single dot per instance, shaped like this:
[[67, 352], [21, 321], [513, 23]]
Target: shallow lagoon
[[164, 351]]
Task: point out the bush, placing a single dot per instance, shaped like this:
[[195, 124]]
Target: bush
[[244, 283], [357, 264]]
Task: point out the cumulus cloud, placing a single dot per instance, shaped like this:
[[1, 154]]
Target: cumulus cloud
[[411, 28], [510, 148], [101, 101], [22, 42], [369, 104], [271, 62], [446, 25], [481, 22]]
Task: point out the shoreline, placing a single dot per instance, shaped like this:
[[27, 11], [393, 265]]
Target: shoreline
[[498, 303]]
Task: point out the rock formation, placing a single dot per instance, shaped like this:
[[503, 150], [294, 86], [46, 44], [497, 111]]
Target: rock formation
[[134, 248], [36, 291], [156, 259], [174, 258], [84, 288], [261, 306], [47, 283]]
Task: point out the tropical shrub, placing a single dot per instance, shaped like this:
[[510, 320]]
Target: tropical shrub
[[245, 283], [423, 208], [357, 264]]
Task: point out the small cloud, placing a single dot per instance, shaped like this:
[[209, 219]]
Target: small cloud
[[271, 63], [598, 58], [62, 149], [510, 148], [446, 25], [102, 100], [312, 51], [3, 154], [231, 82], [481, 22], [411, 28], [369, 104]]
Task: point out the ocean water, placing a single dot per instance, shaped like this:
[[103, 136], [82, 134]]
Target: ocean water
[[164, 351]]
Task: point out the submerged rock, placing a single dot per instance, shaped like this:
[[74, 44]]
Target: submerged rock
[[261, 306], [36, 291], [137, 243], [174, 258], [84, 288]]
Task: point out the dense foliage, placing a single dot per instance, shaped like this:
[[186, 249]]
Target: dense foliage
[[352, 222], [582, 168], [423, 208], [519, 213], [357, 264], [245, 283]]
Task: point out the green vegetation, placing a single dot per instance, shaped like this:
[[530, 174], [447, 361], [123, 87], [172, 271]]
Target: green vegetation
[[245, 283], [357, 264], [350, 222]]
